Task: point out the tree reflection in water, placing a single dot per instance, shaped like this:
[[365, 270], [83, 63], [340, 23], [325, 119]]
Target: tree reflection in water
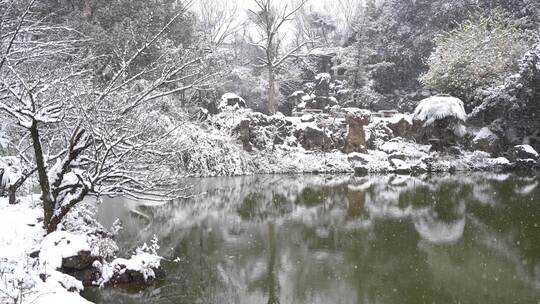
[[340, 239]]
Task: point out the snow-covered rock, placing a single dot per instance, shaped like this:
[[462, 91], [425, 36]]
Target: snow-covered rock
[[524, 152], [356, 136], [361, 158], [307, 118], [231, 101], [400, 166], [59, 245], [402, 146], [323, 77], [398, 155], [402, 125], [143, 267], [486, 140]]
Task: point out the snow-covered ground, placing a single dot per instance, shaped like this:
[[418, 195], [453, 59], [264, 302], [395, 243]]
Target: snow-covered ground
[[21, 235], [30, 262]]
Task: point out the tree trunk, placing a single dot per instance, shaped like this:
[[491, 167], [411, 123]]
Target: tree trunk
[[53, 224], [271, 91], [48, 204], [12, 195]]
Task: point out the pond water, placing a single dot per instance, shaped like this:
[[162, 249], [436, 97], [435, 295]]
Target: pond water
[[340, 239]]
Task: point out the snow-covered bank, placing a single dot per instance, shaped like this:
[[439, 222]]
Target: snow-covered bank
[[244, 142], [35, 268], [20, 281]]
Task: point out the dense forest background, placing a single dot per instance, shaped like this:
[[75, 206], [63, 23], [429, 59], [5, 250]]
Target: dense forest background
[[391, 50]]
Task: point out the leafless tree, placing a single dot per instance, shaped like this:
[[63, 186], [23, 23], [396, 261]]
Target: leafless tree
[[349, 12], [270, 20], [218, 20], [85, 137], [329, 22]]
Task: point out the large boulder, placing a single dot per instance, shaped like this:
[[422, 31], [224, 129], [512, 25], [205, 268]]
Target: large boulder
[[378, 133], [313, 138], [88, 276], [402, 126], [356, 136], [262, 132], [486, 140], [231, 101], [83, 260], [400, 167], [524, 152]]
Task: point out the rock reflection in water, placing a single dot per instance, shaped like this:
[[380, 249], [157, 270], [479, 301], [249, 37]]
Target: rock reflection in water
[[341, 239]]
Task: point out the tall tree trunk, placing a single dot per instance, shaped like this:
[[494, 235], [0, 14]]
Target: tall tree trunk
[[48, 204], [271, 90]]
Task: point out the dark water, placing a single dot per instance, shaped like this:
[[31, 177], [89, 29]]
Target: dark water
[[322, 239]]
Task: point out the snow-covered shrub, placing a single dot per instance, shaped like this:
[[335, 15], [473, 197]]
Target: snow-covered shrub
[[479, 53], [248, 84], [83, 220], [439, 107], [442, 119], [145, 260], [366, 98], [515, 105], [10, 171], [211, 152], [16, 282]]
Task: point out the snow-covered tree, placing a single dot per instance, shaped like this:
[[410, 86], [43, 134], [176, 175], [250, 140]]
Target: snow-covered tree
[[398, 35], [269, 20], [116, 28], [478, 54], [87, 138], [514, 107], [217, 20]]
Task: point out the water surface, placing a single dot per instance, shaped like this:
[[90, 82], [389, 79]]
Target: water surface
[[340, 239]]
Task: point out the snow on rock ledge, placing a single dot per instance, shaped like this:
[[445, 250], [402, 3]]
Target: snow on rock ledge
[[59, 245], [143, 267], [524, 152], [486, 140]]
